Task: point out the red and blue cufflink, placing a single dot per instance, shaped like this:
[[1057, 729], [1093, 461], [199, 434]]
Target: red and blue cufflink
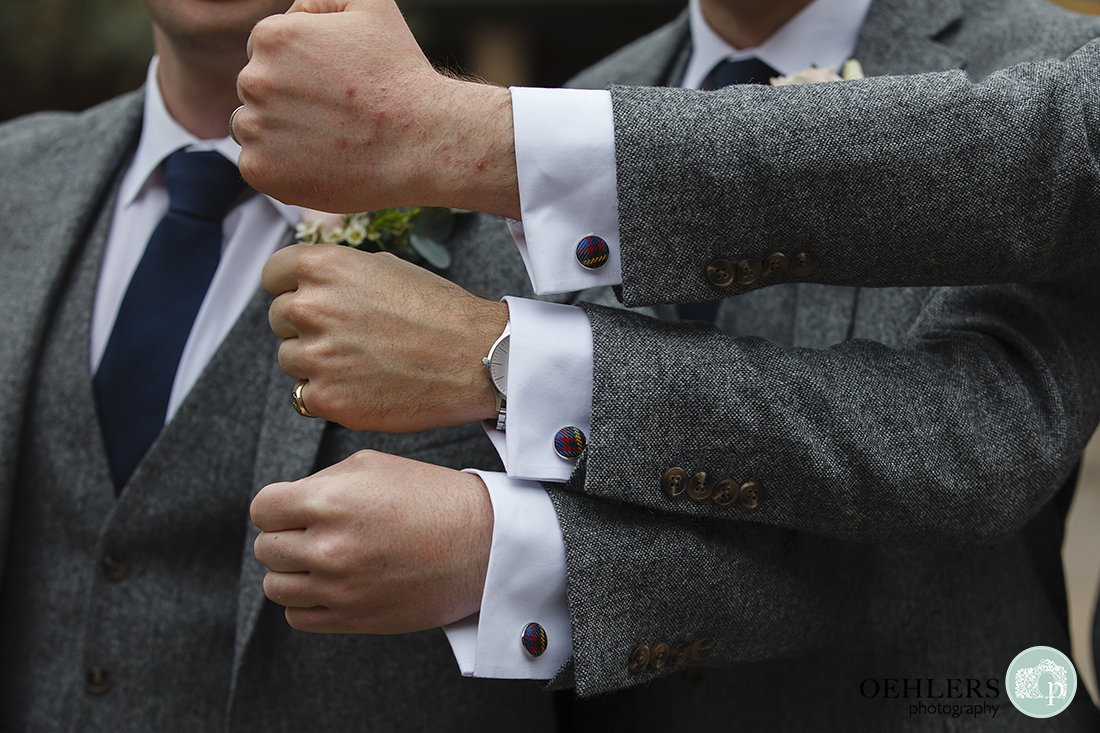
[[569, 442], [592, 252], [534, 640]]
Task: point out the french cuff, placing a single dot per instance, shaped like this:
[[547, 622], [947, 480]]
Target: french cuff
[[549, 390], [524, 585], [565, 163]]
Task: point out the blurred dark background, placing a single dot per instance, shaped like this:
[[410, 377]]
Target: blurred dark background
[[70, 54]]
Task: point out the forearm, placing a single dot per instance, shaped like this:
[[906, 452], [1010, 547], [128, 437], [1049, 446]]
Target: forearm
[[919, 180], [913, 442]]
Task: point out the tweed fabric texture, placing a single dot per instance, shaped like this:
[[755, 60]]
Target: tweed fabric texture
[[897, 432], [56, 176], [181, 542], [1000, 181]]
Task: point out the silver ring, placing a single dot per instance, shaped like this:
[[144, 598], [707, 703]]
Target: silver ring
[[296, 399], [233, 135]]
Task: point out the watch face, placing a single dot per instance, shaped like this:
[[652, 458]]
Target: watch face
[[498, 366]]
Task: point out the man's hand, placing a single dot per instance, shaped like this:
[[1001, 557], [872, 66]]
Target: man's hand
[[342, 112], [385, 345], [376, 544]]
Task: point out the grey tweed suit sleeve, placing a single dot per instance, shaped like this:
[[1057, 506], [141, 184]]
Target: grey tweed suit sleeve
[[920, 180], [947, 422], [897, 436]]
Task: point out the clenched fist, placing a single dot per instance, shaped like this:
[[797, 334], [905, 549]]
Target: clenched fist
[[375, 544], [385, 345], [342, 112]]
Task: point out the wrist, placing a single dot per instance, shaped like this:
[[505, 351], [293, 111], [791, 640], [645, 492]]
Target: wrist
[[479, 535], [492, 326], [470, 162]]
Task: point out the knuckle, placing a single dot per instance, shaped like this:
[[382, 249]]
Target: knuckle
[[248, 78], [303, 309], [364, 458], [259, 548], [252, 167], [270, 33], [317, 262], [330, 555], [296, 620], [324, 400], [317, 505], [271, 588]]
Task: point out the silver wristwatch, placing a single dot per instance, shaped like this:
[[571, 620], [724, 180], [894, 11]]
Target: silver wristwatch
[[497, 365]]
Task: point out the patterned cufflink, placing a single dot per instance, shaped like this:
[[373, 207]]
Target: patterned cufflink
[[533, 640], [592, 252], [569, 442]]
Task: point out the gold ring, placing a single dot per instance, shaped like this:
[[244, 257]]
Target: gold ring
[[233, 135], [296, 399]]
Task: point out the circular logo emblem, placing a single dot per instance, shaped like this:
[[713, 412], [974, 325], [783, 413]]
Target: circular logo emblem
[[1041, 682]]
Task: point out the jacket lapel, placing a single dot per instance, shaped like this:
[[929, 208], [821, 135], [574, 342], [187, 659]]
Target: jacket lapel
[[900, 37], [44, 235]]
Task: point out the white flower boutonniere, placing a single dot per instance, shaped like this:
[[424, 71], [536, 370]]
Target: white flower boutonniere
[[820, 74], [416, 234]]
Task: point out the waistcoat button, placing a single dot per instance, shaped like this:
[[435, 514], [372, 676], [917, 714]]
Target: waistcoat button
[[115, 568], [98, 681]]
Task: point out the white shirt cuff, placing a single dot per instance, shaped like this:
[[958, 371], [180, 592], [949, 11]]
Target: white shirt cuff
[[565, 161], [549, 386], [525, 583]]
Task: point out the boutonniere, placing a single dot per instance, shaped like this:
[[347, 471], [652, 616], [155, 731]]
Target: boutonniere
[[820, 74], [413, 233]]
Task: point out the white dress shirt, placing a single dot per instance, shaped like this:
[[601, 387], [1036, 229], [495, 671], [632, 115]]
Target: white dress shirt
[[252, 232], [566, 175]]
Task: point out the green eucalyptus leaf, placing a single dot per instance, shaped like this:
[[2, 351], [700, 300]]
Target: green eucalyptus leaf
[[431, 250], [434, 224]]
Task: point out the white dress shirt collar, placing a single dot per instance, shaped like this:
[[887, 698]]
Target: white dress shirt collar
[[161, 136], [823, 33]]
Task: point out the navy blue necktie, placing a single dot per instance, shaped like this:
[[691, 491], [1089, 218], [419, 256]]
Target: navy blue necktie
[[745, 71], [134, 379]]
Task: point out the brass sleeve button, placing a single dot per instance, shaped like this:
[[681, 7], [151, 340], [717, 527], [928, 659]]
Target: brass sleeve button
[[804, 264], [638, 659], [679, 655], [673, 482], [660, 654], [748, 271], [776, 264], [720, 273], [752, 493], [726, 492], [700, 486], [115, 568], [700, 649], [98, 681]]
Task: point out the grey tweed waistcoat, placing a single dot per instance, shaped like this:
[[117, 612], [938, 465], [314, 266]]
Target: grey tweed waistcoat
[[174, 545]]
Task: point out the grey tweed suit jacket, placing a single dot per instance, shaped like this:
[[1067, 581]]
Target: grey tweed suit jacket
[[57, 172], [908, 441], [958, 177]]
